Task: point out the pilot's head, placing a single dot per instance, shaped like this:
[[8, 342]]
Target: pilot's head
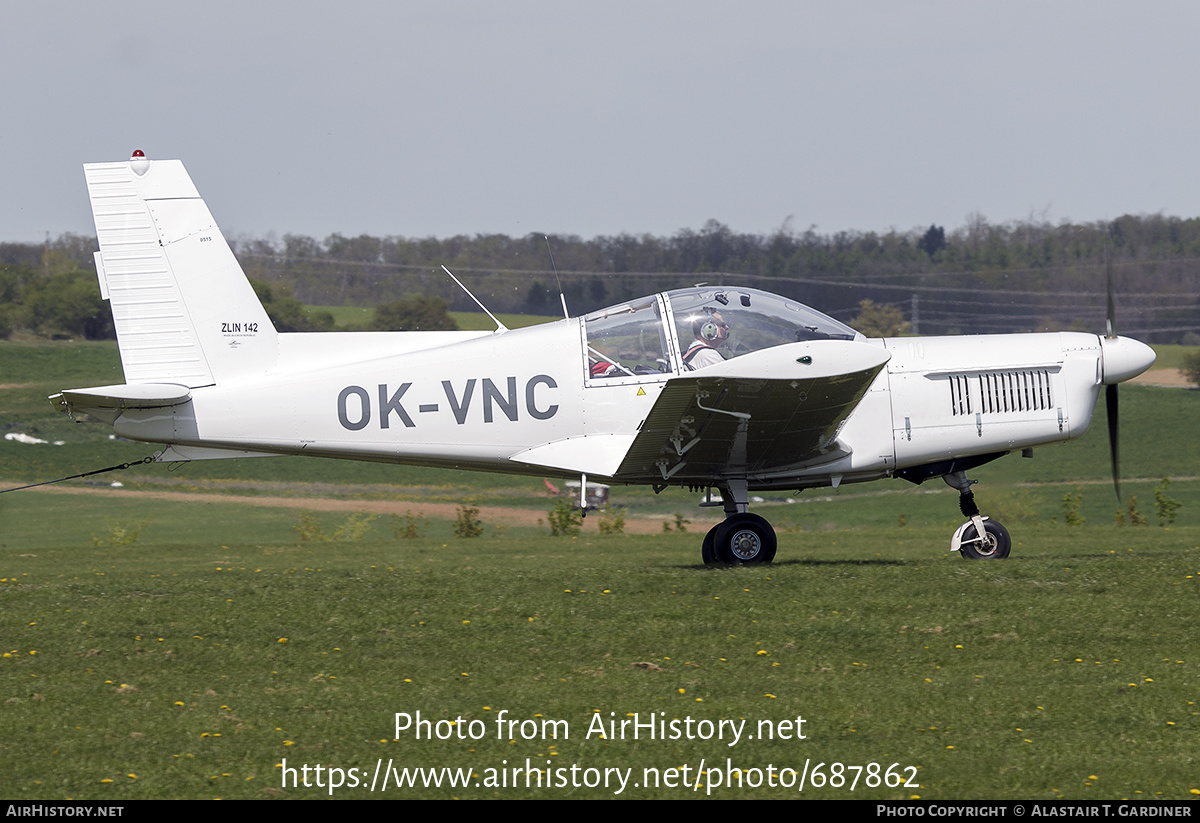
[[711, 328]]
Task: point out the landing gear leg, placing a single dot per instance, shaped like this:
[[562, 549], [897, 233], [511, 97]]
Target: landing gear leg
[[979, 538], [742, 538]]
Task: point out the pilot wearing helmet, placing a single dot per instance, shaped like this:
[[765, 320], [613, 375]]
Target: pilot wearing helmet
[[710, 331]]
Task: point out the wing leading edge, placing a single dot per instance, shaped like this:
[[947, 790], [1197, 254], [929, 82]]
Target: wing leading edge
[[758, 414], [755, 415]]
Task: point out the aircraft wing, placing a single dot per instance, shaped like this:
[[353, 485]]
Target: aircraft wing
[[757, 414]]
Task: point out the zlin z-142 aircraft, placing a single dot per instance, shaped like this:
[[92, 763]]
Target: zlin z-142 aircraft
[[710, 388]]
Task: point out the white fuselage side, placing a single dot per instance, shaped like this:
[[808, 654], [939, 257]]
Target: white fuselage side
[[475, 400]]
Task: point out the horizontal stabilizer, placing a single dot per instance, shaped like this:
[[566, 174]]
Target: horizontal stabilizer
[[125, 396], [107, 402]]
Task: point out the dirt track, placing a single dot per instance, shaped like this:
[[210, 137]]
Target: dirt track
[[1162, 377], [490, 515]]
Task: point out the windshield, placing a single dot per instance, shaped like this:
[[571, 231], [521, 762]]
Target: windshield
[[714, 324], [626, 340]]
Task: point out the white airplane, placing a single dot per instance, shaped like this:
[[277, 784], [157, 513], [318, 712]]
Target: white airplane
[[712, 387]]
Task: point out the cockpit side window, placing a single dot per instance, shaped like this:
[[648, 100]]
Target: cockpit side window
[[626, 341]]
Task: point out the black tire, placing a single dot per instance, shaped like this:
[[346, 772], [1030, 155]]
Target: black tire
[[708, 550], [745, 539], [996, 543]]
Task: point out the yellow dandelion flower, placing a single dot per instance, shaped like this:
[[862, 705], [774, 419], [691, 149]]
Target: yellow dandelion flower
[[282, 640], [683, 691], [109, 780]]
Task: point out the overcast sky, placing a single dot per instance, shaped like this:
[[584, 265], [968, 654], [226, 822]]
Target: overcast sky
[[439, 118]]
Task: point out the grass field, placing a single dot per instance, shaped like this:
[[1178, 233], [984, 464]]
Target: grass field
[[344, 316], [193, 665], [199, 658]]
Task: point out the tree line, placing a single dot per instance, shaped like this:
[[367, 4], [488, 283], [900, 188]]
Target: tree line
[[980, 277]]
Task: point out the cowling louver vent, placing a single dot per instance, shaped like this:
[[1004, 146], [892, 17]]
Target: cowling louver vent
[[1000, 392]]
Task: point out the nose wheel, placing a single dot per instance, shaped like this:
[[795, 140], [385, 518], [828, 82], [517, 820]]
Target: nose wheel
[[994, 545], [741, 539], [979, 538]]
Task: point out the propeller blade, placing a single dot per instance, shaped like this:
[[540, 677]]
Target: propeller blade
[[1110, 330], [1110, 399]]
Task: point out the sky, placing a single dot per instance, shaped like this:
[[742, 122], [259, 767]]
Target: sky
[[442, 118]]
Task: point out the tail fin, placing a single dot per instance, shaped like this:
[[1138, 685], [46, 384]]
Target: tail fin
[[184, 311]]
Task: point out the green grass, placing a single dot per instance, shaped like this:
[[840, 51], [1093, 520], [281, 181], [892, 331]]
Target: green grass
[[1171, 357], [344, 316], [165, 660]]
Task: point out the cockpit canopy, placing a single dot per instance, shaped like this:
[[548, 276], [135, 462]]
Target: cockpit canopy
[[654, 335]]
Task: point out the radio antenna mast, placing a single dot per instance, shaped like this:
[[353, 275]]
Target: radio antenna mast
[[561, 296], [499, 326]]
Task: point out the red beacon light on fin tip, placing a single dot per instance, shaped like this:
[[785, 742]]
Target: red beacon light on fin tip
[[138, 163]]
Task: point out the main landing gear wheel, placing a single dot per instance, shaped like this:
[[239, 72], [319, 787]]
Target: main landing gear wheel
[[744, 539], [995, 544], [708, 550]]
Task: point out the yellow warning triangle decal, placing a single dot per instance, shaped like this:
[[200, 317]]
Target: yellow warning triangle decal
[[641, 392]]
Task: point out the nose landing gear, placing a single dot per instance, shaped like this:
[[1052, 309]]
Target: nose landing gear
[[979, 538]]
